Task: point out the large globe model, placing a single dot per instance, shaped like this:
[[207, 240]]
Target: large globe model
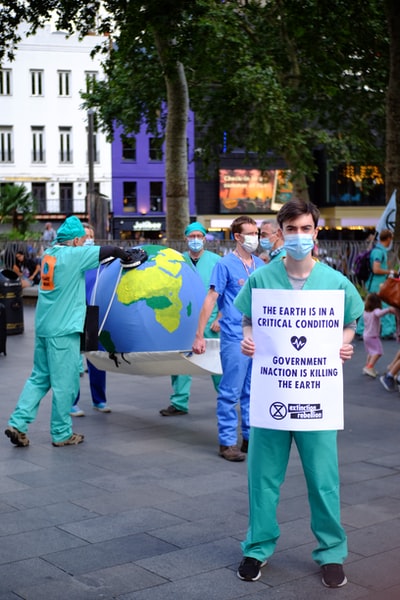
[[156, 306]]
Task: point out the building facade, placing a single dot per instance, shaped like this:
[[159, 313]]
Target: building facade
[[43, 127], [138, 184], [44, 145]]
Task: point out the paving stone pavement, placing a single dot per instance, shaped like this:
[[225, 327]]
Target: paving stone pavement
[[145, 509]]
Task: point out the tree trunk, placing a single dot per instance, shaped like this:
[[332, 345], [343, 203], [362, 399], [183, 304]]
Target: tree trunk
[[300, 188], [176, 157], [392, 177]]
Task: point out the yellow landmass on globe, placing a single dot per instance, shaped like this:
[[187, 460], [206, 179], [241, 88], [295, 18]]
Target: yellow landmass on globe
[[158, 286]]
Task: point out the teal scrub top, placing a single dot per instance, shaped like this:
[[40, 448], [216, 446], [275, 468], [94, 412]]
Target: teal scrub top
[[379, 253], [204, 267], [61, 306], [322, 277]]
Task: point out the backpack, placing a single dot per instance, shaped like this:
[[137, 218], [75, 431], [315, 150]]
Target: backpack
[[362, 266]]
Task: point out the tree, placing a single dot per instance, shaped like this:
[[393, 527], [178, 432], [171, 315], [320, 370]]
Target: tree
[[393, 110], [279, 78], [142, 31], [16, 207], [290, 78], [274, 78]]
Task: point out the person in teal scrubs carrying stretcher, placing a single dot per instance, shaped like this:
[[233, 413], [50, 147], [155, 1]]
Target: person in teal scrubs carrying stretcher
[[59, 321]]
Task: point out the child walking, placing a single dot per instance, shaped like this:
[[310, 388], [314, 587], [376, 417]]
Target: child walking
[[373, 312]]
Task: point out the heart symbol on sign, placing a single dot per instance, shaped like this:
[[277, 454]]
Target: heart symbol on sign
[[298, 342]]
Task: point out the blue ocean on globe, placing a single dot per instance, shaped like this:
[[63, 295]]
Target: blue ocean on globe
[[152, 308]]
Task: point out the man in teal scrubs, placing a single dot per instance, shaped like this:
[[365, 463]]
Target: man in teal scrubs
[[204, 261], [59, 320], [269, 449]]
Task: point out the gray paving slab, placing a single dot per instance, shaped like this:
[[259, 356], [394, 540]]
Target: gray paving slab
[[145, 508]]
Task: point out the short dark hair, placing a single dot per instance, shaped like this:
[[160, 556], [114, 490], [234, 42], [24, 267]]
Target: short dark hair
[[295, 208], [385, 234], [236, 226]]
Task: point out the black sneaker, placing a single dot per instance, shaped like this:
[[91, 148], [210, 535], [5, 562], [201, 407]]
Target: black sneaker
[[245, 446], [171, 411], [333, 575], [250, 569]]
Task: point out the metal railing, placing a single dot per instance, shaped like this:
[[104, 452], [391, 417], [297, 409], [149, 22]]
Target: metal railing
[[340, 255]]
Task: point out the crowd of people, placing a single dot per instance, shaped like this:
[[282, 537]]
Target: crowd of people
[[280, 254]]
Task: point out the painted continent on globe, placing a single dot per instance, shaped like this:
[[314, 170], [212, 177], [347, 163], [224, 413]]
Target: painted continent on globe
[[155, 306]]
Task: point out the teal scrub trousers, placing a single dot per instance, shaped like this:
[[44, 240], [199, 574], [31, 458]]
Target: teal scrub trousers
[[181, 384], [268, 457], [55, 366]]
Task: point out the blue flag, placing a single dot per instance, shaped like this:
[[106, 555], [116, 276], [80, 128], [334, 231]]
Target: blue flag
[[388, 218]]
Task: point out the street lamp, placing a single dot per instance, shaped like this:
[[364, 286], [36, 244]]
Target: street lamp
[[91, 191], [97, 203]]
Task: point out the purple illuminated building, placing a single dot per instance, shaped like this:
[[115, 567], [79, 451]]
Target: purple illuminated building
[[138, 184]]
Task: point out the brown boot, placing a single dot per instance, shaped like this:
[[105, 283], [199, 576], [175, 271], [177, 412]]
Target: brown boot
[[16, 437], [231, 453], [76, 438]]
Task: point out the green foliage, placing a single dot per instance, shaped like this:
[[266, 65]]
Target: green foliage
[[288, 77], [273, 78], [277, 78], [16, 207]]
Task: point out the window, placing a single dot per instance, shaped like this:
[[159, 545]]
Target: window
[[65, 144], [90, 77], [128, 147], [5, 82], [39, 197], [129, 196], [66, 201], [38, 155], [6, 145], [64, 83], [155, 149], [37, 83], [156, 195], [356, 185]]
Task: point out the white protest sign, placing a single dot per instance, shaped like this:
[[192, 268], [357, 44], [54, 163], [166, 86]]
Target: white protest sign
[[297, 376]]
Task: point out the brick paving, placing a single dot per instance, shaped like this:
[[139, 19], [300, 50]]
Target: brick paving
[[145, 509]]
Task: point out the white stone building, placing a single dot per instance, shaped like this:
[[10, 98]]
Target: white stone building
[[43, 128]]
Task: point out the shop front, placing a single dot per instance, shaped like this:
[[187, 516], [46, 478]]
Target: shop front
[[139, 229]]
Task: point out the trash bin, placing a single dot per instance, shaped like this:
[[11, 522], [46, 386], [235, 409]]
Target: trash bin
[[11, 297]]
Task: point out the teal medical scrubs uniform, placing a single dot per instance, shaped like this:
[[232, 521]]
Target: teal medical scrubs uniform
[[269, 449], [59, 320], [181, 384], [388, 322]]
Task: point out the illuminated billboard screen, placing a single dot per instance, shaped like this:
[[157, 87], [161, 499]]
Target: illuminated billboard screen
[[252, 190]]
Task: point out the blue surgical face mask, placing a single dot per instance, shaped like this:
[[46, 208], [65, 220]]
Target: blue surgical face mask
[[195, 244], [88, 242], [266, 244], [298, 245]]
